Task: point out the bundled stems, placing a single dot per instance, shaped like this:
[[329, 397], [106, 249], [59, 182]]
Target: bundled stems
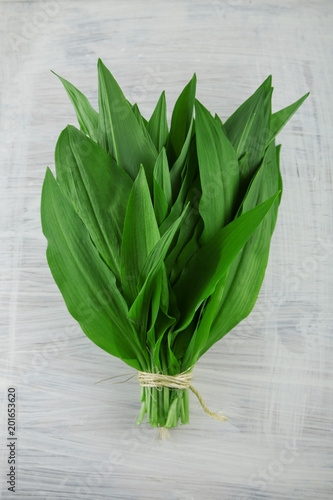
[[164, 406]]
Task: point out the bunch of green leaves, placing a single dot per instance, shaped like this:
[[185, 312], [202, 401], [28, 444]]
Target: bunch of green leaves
[[158, 237]]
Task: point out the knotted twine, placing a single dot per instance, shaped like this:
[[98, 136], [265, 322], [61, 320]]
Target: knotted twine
[[179, 381]]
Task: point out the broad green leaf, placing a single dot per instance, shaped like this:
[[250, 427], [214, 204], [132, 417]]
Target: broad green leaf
[[143, 124], [177, 168], [163, 323], [246, 273], [162, 176], [181, 119], [181, 132], [97, 188], [162, 187], [86, 115], [189, 342], [140, 235], [219, 173], [213, 259], [248, 129], [159, 251], [280, 118], [196, 341], [190, 231], [145, 304], [86, 283], [157, 125], [119, 131], [187, 246], [242, 124], [218, 120], [149, 275], [154, 308], [190, 172], [160, 320], [160, 204], [138, 115], [173, 362]]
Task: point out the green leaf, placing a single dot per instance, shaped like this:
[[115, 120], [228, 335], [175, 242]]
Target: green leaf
[[242, 124], [139, 237], [158, 253], [86, 283], [154, 308], [279, 119], [176, 170], [189, 342], [181, 133], [97, 194], [160, 205], [149, 275], [162, 187], [157, 125], [162, 176], [86, 115], [143, 124], [219, 173], [187, 179], [137, 113], [160, 320], [218, 120], [119, 131], [187, 245], [181, 120], [248, 129], [163, 324], [213, 259], [188, 239], [247, 272]]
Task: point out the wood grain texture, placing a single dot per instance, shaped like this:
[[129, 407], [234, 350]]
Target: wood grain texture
[[272, 375]]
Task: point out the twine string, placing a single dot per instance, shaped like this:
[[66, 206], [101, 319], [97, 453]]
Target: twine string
[[180, 381]]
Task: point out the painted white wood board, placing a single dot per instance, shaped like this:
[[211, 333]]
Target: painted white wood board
[[272, 375]]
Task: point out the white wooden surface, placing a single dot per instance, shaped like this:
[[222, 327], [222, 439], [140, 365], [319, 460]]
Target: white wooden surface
[[272, 376]]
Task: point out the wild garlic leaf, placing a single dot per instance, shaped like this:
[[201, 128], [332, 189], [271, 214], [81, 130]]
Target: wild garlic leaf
[[143, 124], [160, 203], [280, 118], [140, 235], [85, 281], [248, 129], [219, 173], [162, 176], [157, 125], [162, 187], [149, 275], [187, 180], [192, 347], [97, 188], [247, 272], [213, 259], [188, 240], [181, 132], [87, 116], [181, 119], [120, 134]]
